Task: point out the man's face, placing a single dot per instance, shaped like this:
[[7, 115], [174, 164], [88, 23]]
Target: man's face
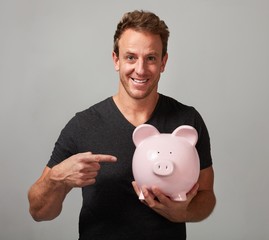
[[139, 63]]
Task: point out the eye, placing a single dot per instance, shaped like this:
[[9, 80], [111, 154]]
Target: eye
[[130, 58], [151, 58], [171, 152]]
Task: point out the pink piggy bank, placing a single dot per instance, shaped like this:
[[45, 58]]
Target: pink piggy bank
[[167, 161]]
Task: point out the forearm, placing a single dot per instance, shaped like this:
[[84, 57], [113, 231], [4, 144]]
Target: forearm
[[46, 197], [201, 206]]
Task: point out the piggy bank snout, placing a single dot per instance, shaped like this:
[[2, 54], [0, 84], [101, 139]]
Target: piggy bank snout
[[163, 168]]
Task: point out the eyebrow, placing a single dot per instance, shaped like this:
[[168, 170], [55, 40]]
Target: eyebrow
[[150, 53], [129, 53]]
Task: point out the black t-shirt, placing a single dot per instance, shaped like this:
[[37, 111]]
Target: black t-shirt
[[111, 209]]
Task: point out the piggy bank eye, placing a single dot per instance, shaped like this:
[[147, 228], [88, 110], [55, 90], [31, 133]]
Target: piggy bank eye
[[171, 152]]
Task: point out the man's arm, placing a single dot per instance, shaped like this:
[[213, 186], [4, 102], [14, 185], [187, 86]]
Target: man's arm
[[47, 194], [203, 203], [198, 206], [46, 197]]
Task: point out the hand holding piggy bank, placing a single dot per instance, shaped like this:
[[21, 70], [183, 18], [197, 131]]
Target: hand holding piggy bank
[[167, 161]]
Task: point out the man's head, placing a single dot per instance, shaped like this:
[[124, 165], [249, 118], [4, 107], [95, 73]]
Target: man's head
[[142, 21]]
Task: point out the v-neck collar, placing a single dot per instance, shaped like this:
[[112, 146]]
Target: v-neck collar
[[124, 120]]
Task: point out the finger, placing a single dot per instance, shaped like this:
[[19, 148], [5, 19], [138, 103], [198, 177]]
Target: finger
[[89, 157], [105, 158], [149, 198], [89, 173], [192, 193], [136, 188], [86, 179], [194, 188], [90, 167], [87, 182], [163, 199]]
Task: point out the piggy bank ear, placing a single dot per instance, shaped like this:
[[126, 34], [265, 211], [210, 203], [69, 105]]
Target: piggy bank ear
[[144, 131], [187, 132]]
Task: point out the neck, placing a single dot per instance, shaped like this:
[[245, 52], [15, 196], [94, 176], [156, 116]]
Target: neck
[[136, 111]]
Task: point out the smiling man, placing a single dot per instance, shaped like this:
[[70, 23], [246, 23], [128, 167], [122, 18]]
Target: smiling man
[[140, 63], [94, 150]]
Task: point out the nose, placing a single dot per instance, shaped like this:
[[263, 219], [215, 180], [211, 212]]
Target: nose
[[140, 67], [163, 168]]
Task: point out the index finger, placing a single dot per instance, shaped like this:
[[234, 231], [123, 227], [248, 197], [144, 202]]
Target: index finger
[[90, 157], [104, 158]]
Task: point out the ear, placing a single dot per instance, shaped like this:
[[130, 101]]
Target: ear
[[187, 132], [115, 59], [144, 131], [164, 61]]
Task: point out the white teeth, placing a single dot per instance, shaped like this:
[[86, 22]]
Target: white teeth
[[139, 81]]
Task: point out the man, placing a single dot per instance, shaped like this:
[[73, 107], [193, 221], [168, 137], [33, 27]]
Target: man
[[94, 150]]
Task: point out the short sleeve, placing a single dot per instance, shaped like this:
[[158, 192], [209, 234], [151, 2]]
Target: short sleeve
[[65, 145], [203, 144]]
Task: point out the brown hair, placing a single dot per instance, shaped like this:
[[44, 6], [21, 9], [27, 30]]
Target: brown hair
[[142, 21]]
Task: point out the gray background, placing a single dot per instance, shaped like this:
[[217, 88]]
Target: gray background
[[55, 60]]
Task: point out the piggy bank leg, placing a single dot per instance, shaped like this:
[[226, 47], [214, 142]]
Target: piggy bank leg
[[180, 197], [141, 196]]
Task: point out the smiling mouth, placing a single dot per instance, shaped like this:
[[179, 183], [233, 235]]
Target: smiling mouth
[[139, 80]]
